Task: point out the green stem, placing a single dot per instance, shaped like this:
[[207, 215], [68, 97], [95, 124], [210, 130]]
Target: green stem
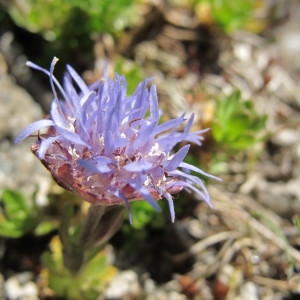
[[100, 224]]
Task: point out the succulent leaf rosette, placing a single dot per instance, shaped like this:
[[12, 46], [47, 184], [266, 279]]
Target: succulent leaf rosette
[[109, 148]]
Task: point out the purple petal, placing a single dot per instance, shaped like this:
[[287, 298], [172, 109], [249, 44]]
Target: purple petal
[[81, 115], [205, 198], [81, 84], [33, 127], [138, 166], [71, 136], [177, 158], [197, 191], [100, 165], [34, 66], [191, 178], [171, 124], [137, 184], [195, 137], [145, 136], [57, 115], [53, 63], [45, 144], [171, 206], [144, 192], [189, 123], [120, 195], [141, 103], [154, 110], [195, 169]]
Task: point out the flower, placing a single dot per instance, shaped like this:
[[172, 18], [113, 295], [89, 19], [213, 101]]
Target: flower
[[109, 148]]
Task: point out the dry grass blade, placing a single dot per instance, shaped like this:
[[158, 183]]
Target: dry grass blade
[[234, 209]]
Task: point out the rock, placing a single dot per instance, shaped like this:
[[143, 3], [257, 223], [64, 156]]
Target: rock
[[286, 137], [294, 284], [20, 286], [249, 291], [124, 286], [288, 38]]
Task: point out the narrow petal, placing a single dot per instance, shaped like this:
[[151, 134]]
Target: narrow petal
[[206, 199], [53, 63], [154, 110], [189, 123], [141, 104], [177, 158], [195, 137], [45, 144], [171, 124], [120, 195], [33, 127], [57, 115], [81, 84], [94, 166], [171, 206], [138, 166], [145, 135], [197, 191], [144, 192], [195, 169], [36, 67], [71, 137], [190, 178], [137, 184]]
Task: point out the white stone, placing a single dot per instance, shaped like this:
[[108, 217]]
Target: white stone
[[125, 283], [249, 291], [17, 287]]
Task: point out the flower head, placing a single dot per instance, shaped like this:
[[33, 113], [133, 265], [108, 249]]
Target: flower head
[[109, 148]]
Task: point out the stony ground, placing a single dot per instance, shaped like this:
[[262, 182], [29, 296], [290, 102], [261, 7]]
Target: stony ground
[[247, 247]]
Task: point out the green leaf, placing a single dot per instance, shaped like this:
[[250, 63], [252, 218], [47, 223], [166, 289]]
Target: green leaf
[[237, 124], [87, 284], [45, 227], [230, 15], [142, 214], [50, 17], [17, 216]]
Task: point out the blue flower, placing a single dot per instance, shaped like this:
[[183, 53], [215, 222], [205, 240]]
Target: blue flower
[[109, 148]]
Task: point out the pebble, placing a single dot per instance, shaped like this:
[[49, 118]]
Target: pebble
[[249, 291], [125, 284], [20, 286], [286, 137], [294, 284], [195, 229]]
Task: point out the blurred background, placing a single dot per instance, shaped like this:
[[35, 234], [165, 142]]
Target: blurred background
[[236, 65]]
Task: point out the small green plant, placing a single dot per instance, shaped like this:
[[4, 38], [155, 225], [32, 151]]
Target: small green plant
[[20, 216], [50, 17], [145, 215], [76, 265], [237, 124], [229, 15], [17, 217], [88, 283]]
